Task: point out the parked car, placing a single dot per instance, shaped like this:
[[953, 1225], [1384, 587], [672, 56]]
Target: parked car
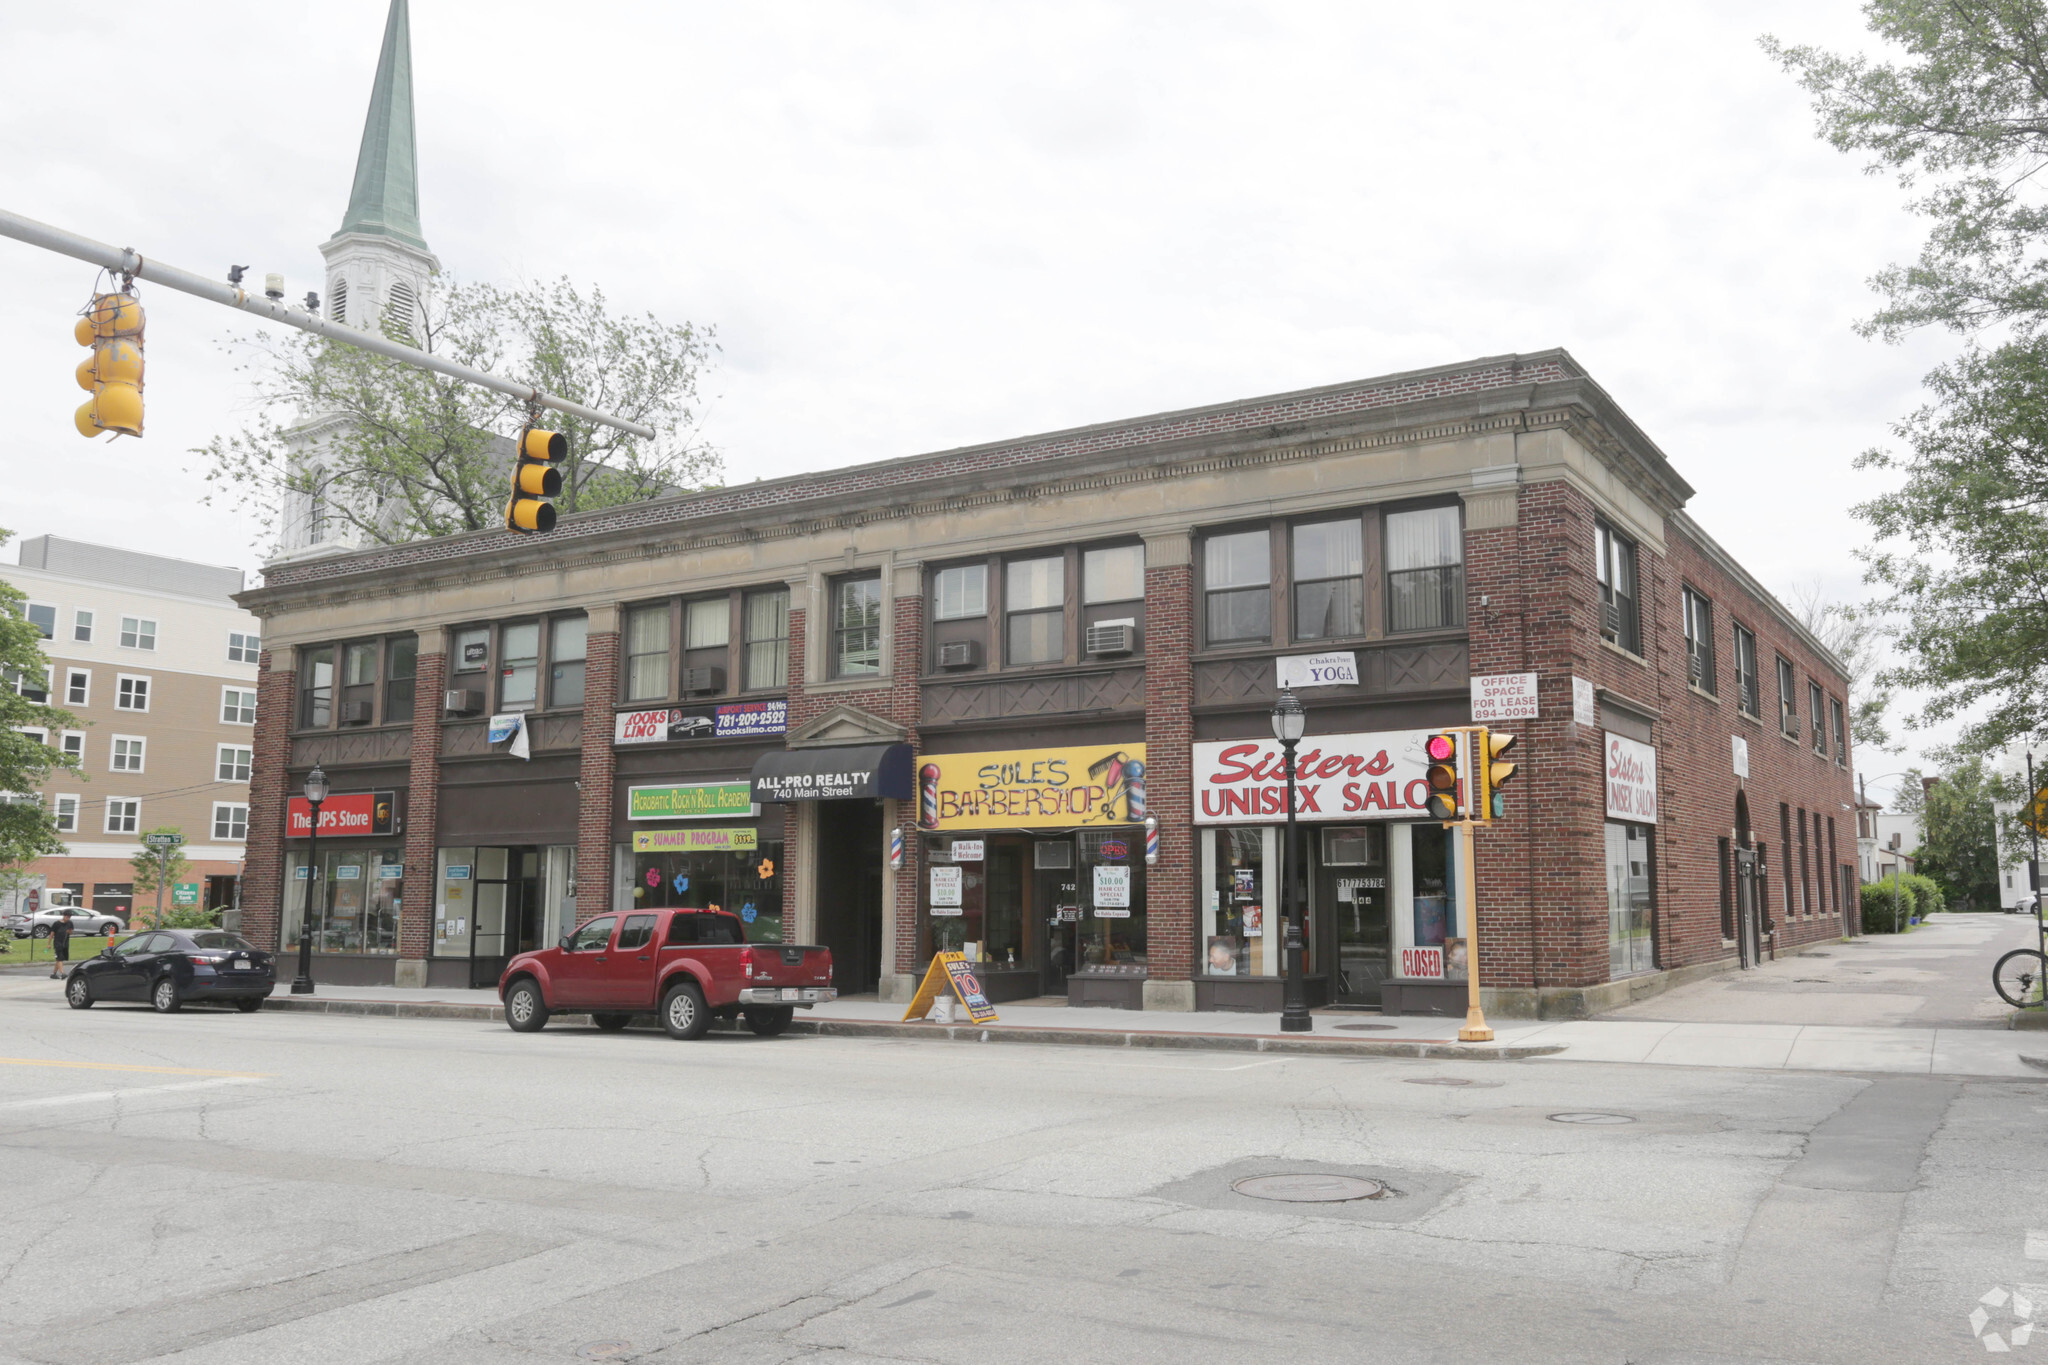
[[82, 922], [174, 967], [685, 966]]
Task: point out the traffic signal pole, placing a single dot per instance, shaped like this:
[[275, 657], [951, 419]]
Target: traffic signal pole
[[125, 261]]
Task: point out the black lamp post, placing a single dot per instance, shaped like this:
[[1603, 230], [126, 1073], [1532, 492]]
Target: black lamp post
[[316, 792], [1289, 721]]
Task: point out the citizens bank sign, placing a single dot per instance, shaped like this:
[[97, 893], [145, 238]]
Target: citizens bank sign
[[1337, 777]]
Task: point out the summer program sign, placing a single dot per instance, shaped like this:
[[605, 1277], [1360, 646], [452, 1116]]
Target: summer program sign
[[1631, 781], [1338, 777]]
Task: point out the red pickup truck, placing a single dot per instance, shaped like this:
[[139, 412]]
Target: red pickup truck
[[686, 966]]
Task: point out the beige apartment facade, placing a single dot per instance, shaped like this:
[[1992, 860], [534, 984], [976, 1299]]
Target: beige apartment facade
[[158, 665]]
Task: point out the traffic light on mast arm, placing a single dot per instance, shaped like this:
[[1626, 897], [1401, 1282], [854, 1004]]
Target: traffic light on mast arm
[[112, 374], [1442, 751], [1494, 773], [536, 477]]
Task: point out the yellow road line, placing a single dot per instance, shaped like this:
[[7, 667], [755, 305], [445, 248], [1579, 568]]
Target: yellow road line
[[123, 1066]]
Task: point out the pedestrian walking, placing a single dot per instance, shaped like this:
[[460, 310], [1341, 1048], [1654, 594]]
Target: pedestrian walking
[[60, 944]]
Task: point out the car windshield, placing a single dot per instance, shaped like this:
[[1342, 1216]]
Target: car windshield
[[233, 943]]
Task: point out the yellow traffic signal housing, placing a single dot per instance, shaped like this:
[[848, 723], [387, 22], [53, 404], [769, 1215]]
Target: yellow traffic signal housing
[[1493, 772], [1442, 774], [536, 477], [112, 374]]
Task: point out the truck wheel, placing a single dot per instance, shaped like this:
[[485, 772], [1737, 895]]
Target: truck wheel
[[683, 1013], [526, 1011], [611, 1023], [767, 1023]]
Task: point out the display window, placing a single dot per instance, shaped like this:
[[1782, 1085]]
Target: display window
[[1049, 904], [490, 903], [1111, 886], [745, 881], [356, 893]]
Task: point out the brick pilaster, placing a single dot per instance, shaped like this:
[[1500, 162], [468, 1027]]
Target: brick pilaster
[[1169, 735], [791, 856], [600, 766], [905, 704], [263, 855], [422, 809]]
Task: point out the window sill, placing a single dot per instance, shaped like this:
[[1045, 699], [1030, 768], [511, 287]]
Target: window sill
[[1702, 693], [1740, 714], [1629, 654], [867, 684], [1092, 664]]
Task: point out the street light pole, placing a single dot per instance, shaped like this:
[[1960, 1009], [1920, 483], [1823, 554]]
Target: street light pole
[[1289, 721], [316, 793]]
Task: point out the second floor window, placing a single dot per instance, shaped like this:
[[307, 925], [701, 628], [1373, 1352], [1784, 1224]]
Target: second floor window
[[1329, 579], [960, 593], [401, 666], [316, 689], [231, 763], [1841, 730], [243, 649], [81, 627], [1746, 684], [1788, 701], [1237, 578], [1698, 615], [1614, 567], [519, 666], [1035, 610], [77, 687], [568, 646], [131, 693], [128, 753], [238, 706], [359, 683], [1425, 569], [1817, 716], [138, 633], [857, 627], [44, 619], [647, 653], [764, 617]]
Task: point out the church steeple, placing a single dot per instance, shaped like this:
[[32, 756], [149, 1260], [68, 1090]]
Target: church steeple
[[385, 200]]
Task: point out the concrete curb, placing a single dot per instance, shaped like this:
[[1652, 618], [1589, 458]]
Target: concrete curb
[[968, 1033]]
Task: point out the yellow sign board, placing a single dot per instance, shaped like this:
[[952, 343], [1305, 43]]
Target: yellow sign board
[[695, 841], [952, 972], [1098, 784]]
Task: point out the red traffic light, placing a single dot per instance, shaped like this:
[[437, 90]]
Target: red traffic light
[[1442, 776], [1441, 748]]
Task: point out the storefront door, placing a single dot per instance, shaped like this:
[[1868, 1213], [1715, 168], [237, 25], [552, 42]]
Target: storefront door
[[1351, 892], [508, 911], [1057, 907], [850, 892], [1629, 892]]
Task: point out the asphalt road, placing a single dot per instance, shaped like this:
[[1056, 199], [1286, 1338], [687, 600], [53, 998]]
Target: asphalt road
[[217, 1188]]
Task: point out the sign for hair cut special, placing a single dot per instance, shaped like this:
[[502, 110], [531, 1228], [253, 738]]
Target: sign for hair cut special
[[1101, 784], [1337, 777]]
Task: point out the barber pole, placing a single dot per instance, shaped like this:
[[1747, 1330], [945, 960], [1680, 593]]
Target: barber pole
[[896, 849], [1151, 840]]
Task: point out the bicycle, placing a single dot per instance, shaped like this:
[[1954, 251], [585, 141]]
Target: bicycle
[[2019, 978]]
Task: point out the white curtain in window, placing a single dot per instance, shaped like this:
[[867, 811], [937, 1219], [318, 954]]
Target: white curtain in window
[[1426, 539]]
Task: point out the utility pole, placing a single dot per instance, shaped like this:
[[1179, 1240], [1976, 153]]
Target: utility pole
[[129, 263]]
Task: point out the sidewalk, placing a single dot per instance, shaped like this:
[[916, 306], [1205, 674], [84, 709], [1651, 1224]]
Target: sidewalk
[[1773, 1047]]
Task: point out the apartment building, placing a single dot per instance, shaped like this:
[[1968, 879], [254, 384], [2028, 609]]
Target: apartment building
[[159, 666]]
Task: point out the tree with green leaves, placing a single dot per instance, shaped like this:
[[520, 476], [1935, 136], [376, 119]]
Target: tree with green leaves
[[397, 453], [159, 867], [1958, 846], [28, 830], [1960, 116]]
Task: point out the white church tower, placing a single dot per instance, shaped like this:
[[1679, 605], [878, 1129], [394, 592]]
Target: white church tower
[[378, 266]]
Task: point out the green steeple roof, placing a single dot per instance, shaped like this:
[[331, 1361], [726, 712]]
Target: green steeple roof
[[386, 199]]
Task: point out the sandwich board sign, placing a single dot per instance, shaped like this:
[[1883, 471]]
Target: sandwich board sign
[[951, 972]]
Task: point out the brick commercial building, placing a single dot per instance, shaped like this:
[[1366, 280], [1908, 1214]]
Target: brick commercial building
[[992, 667]]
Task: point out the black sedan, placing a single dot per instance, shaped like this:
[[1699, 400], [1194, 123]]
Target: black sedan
[[174, 967]]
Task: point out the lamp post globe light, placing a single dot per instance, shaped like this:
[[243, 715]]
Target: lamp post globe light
[[316, 792], [1289, 722]]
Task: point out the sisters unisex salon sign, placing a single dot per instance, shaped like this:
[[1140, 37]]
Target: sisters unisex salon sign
[[1337, 777]]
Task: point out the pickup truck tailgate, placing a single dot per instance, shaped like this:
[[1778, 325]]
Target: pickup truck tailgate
[[788, 973]]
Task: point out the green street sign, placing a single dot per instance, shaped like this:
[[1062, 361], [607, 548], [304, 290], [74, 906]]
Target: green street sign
[[163, 840], [184, 893]]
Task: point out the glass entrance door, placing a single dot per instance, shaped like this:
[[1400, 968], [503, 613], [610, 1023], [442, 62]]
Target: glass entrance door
[[507, 915], [1056, 902], [1351, 883], [1629, 944]]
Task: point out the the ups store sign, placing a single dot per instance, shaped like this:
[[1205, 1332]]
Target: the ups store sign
[[344, 814]]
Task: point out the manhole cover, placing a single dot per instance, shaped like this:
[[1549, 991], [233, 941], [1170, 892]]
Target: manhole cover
[[1437, 1080], [1309, 1189], [1362, 1028], [1596, 1119]]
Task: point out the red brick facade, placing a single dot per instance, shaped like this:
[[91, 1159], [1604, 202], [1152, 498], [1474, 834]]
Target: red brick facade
[[422, 811], [599, 763], [263, 856]]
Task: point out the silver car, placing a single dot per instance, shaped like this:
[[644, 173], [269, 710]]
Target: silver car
[[82, 922]]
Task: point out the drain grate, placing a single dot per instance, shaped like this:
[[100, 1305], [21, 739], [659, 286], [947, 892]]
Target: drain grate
[[1363, 1028], [1596, 1120], [1309, 1189]]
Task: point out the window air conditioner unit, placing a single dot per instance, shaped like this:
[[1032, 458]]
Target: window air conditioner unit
[[1112, 637], [960, 654], [1610, 618], [356, 712], [699, 681], [458, 702], [1791, 725]]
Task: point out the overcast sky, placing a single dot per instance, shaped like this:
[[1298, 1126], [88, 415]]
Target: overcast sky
[[916, 225]]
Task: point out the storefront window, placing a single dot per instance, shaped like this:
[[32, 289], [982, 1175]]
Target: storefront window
[[1433, 885], [1112, 890], [1629, 894], [1235, 940], [356, 893], [745, 880], [454, 901]]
